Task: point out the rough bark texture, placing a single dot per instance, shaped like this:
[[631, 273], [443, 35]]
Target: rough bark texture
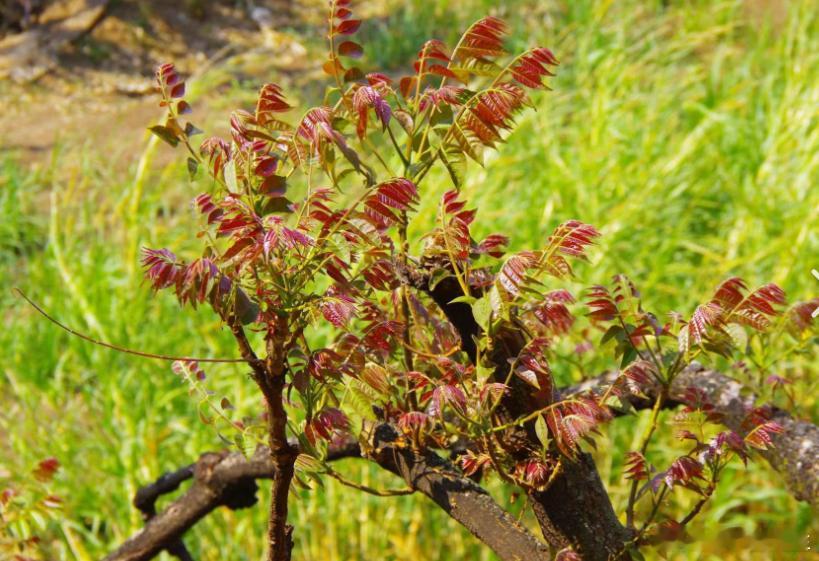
[[145, 502], [796, 451], [219, 480], [572, 511], [279, 532], [576, 510], [228, 480], [461, 498]]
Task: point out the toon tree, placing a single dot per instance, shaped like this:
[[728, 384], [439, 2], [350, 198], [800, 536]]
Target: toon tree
[[434, 359]]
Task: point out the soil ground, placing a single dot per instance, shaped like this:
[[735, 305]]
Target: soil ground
[[102, 82]]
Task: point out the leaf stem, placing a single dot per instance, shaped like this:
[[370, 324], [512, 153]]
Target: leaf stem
[[649, 432]]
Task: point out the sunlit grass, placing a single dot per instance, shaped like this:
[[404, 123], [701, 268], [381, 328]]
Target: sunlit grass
[[687, 134]]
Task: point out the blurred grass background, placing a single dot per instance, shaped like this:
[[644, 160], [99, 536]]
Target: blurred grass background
[[685, 130]]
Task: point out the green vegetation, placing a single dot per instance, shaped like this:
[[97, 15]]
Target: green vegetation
[[688, 134]]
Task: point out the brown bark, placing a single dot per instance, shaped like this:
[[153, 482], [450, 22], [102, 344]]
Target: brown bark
[[280, 533], [218, 480], [228, 480], [461, 498], [795, 453], [576, 510], [269, 375], [146, 497]]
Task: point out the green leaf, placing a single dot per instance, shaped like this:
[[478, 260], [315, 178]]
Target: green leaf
[[482, 311], [499, 306], [542, 432], [306, 463], [455, 163], [277, 204], [300, 483], [165, 133], [635, 554], [361, 398], [443, 115], [629, 354], [612, 331], [230, 177], [483, 373], [193, 167], [246, 310], [738, 335], [465, 298]]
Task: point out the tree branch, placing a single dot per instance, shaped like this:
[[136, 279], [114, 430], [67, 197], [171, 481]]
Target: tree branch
[[146, 497], [461, 498], [576, 511], [795, 453], [269, 375], [229, 480], [219, 480]]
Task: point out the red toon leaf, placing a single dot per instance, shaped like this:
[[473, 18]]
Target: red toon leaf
[[46, 469]]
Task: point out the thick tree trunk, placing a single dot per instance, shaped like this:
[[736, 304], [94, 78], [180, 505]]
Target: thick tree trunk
[[461, 498], [576, 510]]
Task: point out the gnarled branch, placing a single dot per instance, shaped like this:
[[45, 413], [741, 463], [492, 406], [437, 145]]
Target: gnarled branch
[[576, 510], [795, 453], [229, 480], [219, 480], [461, 498]]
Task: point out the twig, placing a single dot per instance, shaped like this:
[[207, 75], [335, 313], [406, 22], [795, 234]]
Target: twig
[[226, 479], [646, 438], [793, 452], [367, 489], [118, 348]]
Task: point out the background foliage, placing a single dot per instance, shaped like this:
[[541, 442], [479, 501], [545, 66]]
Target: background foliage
[[686, 132]]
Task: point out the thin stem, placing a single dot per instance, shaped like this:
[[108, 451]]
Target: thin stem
[[490, 449], [653, 514], [369, 490], [696, 510], [533, 415], [425, 354], [368, 143], [397, 146], [655, 414], [144, 354], [451, 254], [336, 227]]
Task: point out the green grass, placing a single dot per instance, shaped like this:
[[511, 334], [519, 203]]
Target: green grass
[[688, 134]]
